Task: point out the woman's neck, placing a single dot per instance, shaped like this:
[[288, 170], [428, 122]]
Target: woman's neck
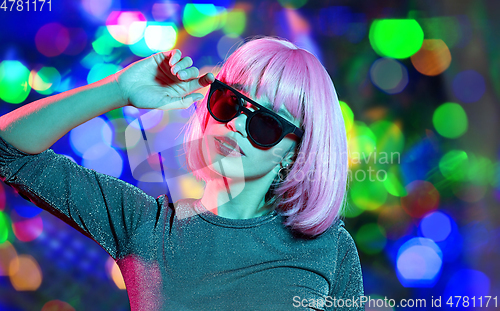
[[236, 198]]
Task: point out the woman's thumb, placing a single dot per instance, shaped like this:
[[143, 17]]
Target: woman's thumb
[[196, 96]]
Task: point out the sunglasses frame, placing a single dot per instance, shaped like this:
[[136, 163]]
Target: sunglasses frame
[[288, 128]]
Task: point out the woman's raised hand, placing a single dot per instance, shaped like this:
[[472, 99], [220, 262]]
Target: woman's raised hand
[[162, 81]]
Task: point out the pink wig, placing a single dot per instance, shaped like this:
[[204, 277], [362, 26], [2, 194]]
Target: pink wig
[[313, 193]]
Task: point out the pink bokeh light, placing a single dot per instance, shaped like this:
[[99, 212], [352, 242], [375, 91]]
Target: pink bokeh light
[[52, 39]]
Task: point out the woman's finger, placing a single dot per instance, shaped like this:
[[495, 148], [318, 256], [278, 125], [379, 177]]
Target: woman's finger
[[188, 73], [175, 57], [182, 64], [200, 82], [163, 60]]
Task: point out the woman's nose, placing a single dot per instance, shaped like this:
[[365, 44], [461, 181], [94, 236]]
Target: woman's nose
[[238, 124]]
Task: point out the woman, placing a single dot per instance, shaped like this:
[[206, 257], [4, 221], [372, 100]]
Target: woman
[[271, 146]]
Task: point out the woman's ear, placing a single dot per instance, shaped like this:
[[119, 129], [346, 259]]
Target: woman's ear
[[290, 157]]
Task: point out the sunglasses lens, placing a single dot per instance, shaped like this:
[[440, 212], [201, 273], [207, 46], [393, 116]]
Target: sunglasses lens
[[224, 104], [265, 129]]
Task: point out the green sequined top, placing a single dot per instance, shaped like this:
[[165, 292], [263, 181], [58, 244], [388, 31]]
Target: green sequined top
[[183, 257]]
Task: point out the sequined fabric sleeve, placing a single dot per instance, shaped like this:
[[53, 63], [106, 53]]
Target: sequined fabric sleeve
[[349, 279], [104, 208]]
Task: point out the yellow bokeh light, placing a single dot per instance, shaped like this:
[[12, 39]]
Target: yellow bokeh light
[[9, 263], [191, 188], [161, 37], [236, 21], [37, 83], [362, 144], [26, 275], [433, 58], [348, 116], [115, 273], [117, 277]]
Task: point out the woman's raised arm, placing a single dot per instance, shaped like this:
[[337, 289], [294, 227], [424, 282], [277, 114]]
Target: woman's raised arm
[[156, 82]]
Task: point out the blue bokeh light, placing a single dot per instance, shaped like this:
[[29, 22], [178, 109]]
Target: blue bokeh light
[[27, 211], [470, 283], [89, 134], [103, 159], [469, 86], [436, 226], [419, 263]]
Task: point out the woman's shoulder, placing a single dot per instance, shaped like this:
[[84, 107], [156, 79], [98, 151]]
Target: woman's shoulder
[[182, 208], [342, 246], [331, 238], [337, 235], [337, 228]]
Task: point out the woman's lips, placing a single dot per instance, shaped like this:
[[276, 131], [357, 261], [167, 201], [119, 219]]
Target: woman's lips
[[230, 143]]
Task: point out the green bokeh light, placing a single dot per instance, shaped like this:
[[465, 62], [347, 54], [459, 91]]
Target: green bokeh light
[[101, 71], [115, 114], [390, 139], [365, 193], [446, 28], [454, 165], [480, 170], [101, 46], [14, 86], [52, 76], [91, 59], [4, 227], [396, 38], [105, 43], [371, 238], [235, 23], [393, 183], [347, 114], [201, 19], [362, 143], [140, 48], [292, 4], [351, 210], [450, 120]]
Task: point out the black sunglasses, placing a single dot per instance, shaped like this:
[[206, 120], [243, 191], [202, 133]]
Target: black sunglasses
[[264, 127]]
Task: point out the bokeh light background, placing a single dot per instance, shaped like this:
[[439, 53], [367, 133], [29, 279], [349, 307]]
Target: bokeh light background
[[419, 84]]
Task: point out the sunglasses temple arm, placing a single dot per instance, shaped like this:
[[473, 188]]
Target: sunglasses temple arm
[[298, 132]]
